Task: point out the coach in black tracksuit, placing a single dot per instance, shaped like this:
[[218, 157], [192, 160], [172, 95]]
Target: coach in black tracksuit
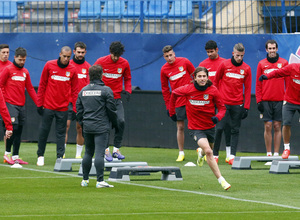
[[96, 109]]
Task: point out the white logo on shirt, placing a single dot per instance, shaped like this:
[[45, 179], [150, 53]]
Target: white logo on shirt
[[91, 93], [297, 81], [81, 76], [112, 76], [18, 78], [177, 76], [60, 78], [197, 102], [212, 73], [268, 71], [235, 76]]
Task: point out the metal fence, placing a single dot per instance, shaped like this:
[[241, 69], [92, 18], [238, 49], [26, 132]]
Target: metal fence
[[150, 16]]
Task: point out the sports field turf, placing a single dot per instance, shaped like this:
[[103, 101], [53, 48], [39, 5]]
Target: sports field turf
[[39, 193]]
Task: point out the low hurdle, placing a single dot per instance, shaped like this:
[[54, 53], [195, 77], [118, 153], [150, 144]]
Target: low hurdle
[[122, 173], [245, 162], [282, 167], [65, 165], [110, 165]]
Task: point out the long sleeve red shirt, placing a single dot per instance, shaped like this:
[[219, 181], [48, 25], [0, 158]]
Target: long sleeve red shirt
[[114, 73], [200, 106], [82, 71], [212, 66], [177, 74], [4, 113], [4, 64], [292, 93], [13, 82], [269, 90], [231, 80], [55, 86]]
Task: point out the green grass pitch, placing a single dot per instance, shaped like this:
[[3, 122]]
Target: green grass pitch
[[35, 192]]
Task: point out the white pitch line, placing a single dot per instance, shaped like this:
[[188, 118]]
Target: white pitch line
[[170, 189], [144, 213]]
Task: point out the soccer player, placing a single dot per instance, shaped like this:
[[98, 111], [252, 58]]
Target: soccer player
[[14, 80], [58, 85], [202, 100], [232, 78], [82, 68], [211, 64], [96, 108], [291, 102], [176, 72], [4, 55], [269, 96], [116, 69]]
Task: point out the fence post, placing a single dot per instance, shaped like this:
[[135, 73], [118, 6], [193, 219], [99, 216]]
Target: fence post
[[142, 17], [214, 16], [283, 14], [66, 16]]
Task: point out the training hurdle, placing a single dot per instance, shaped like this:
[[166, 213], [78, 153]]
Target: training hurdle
[[282, 167], [65, 165], [245, 162], [110, 165], [122, 173]]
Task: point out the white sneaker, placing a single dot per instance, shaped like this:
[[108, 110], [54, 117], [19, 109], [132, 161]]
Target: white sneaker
[[84, 183], [40, 161], [103, 184]]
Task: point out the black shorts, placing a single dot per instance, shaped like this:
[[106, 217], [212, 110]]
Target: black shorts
[[198, 134], [181, 113], [70, 111], [288, 111], [272, 111], [17, 114]]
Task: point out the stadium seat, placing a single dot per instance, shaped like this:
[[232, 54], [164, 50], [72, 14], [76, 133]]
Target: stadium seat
[[157, 9], [113, 9], [8, 10], [181, 9], [134, 9], [89, 9]]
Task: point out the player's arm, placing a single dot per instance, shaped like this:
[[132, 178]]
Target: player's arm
[[180, 91], [42, 86], [3, 79], [111, 109], [127, 79], [258, 86], [165, 89], [220, 105], [30, 89], [5, 114], [247, 91], [79, 108], [74, 90], [190, 68], [219, 75]]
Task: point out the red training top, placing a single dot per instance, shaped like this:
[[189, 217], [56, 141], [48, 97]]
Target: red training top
[[55, 86], [292, 94], [200, 106], [230, 80], [178, 74], [113, 74], [13, 82], [4, 64], [212, 65], [82, 71], [5, 114], [269, 90]]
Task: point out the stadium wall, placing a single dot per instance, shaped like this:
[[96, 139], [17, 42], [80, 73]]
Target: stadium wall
[[144, 51], [147, 124]]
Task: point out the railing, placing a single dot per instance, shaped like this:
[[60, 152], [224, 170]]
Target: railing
[[150, 16]]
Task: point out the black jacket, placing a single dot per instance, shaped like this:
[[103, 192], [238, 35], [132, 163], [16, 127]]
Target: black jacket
[[96, 108]]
